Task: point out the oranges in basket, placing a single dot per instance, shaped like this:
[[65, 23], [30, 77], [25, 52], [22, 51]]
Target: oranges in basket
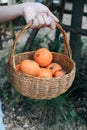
[[41, 65]]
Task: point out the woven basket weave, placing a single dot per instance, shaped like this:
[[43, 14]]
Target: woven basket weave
[[41, 88]]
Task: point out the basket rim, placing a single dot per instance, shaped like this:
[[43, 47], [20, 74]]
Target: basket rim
[[46, 79], [52, 53]]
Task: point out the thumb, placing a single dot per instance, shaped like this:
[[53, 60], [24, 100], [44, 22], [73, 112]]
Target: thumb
[[53, 16]]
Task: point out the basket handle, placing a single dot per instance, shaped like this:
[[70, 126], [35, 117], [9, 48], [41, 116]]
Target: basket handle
[[67, 49]]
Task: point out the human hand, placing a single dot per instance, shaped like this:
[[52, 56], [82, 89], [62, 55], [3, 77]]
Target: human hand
[[39, 14]]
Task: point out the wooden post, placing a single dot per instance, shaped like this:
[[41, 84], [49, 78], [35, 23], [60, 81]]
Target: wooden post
[[11, 2], [61, 12], [76, 22]]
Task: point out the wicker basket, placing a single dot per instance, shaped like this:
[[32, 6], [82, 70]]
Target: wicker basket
[[41, 88]]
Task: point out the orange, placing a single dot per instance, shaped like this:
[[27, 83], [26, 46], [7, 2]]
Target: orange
[[43, 57], [18, 67], [45, 73], [29, 67], [59, 73], [54, 67]]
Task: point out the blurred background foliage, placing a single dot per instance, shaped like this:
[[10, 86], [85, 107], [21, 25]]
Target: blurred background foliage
[[67, 108]]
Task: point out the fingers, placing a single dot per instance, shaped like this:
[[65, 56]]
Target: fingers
[[43, 21], [52, 23], [53, 16], [35, 24], [47, 20], [40, 15]]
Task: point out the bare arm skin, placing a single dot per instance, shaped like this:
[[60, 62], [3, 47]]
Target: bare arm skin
[[11, 12], [37, 12]]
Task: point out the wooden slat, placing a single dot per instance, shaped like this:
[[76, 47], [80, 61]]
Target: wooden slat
[[75, 30]]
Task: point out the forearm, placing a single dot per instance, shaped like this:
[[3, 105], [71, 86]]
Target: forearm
[[10, 12]]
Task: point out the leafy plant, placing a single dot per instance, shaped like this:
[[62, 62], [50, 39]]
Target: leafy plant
[[36, 44]]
